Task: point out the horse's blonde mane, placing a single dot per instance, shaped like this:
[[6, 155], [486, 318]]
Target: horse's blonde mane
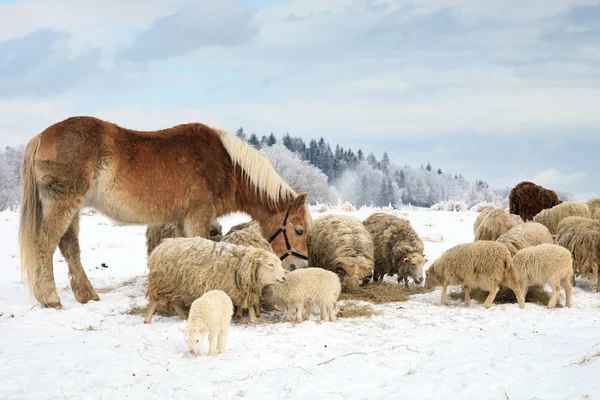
[[257, 169]]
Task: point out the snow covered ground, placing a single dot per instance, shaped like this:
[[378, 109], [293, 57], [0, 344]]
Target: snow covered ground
[[413, 350]]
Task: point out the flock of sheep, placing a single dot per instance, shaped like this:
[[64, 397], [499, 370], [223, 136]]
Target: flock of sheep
[[211, 276]]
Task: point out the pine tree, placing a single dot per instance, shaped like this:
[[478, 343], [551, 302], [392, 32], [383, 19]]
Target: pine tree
[[385, 163], [253, 141], [272, 140], [364, 195], [428, 167], [264, 141], [360, 155], [439, 171], [288, 142], [372, 160], [240, 133]]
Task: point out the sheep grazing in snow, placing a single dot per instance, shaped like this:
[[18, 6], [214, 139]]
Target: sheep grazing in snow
[[244, 225], [525, 235], [341, 244], [581, 236], [480, 217], [527, 199], [593, 205], [496, 223], [398, 248], [307, 287], [546, 263], [483, 264], [552, 217], [182, 269], [211, 313], [156, 233], [596, 215]]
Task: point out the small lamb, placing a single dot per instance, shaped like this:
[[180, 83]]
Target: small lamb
[[546, 263], [306, 287], [209, 313]]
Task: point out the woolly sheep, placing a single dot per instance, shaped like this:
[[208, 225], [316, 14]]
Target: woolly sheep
[[525, 235], [593, 205], [310, 287], [484, 264], [244, 225], [596, 214], [496, 223], [398, 249], [182, 269], [341, 244], [527, 199], [551, 217], [582, 238], [546, 263], [211, 313], [156, 233], [480, 218]]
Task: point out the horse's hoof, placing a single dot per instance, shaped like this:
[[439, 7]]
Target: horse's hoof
[[56, 306]]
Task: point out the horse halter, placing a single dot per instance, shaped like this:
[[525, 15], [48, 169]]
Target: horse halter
[[281, 229]]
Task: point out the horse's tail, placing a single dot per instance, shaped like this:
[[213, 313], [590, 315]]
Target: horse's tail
[[31, 213]]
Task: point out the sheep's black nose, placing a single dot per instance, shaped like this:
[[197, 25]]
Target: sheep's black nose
[[292, 267]]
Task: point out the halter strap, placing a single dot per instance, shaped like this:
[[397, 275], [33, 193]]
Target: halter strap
[[281, 229]]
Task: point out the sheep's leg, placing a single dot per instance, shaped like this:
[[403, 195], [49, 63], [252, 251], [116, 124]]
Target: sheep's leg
[[223, 338], [299, 308], [257, 310], [525, 289], [253, 317], [308, 306], [467, 290], [491, 296], [288, 314], [239, 314], [323, 311], [444, 299], [179, 311], [212, 342], [406, 282], [515, 287], [554, 296], [332, 309], [568, 292], [150, 312], [595, 278]]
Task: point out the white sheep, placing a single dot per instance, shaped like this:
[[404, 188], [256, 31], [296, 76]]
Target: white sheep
[[211, 313], [306, 287], [546, 263]]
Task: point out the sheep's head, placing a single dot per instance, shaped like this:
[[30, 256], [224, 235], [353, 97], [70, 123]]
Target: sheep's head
[[194, 336], [432, 278], [411, 263], [354, 271], [270, 270]]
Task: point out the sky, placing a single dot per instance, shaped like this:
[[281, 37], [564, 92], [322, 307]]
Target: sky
[[501, 90]]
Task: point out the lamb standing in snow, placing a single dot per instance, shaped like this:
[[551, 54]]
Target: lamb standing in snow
[[341, 244], [546, 263], [525, 235], [306, 287], [211, 313], [183, 269], [551, 217], [398, 248], [484, 264], [581, 236], [156, 233], [496, 223]]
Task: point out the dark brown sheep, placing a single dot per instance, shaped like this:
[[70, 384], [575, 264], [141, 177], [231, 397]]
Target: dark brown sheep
[[527, 199]]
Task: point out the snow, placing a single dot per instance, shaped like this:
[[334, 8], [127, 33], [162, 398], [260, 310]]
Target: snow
[[414, 349]]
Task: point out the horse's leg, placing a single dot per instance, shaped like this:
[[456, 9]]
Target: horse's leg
[[198, 220], [69, 247], [58, 215]]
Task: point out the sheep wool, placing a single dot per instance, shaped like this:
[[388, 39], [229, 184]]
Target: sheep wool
[[211, 313], [398, 249], [546, 263], [341, 244], [496, 223], [310, 287], [480, 218], [525, 235], [484, 264], [593, 205], [156, 233], [551, 217], [183, 269]]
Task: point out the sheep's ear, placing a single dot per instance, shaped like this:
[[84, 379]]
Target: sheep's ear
[[203, 329], [426, 260], [300, 200], [181, 328], [405, 259]]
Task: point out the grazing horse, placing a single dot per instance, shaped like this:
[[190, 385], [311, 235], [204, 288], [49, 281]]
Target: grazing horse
[[188, 173]]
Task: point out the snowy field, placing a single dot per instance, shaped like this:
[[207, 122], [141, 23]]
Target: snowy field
[[413, 350]]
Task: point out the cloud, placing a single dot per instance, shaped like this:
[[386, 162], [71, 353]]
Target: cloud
[[553, 177], [40, 64], [202, 24]]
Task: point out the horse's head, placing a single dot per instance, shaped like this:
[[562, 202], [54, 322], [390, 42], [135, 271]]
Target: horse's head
[[289, 241]]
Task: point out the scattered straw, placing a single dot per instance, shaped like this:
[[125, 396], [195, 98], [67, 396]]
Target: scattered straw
[[135, 280], [535, 294], [351, 309], [381, 292]]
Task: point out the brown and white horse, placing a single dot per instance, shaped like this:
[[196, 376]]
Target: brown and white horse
[[189, 173]]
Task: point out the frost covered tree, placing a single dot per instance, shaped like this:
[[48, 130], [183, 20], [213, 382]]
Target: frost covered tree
[[10, 176], [253, 141], [271, 140], [240, 133], [300, 174]]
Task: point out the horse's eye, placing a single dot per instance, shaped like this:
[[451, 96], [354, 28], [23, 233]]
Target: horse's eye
[[299, 232]]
